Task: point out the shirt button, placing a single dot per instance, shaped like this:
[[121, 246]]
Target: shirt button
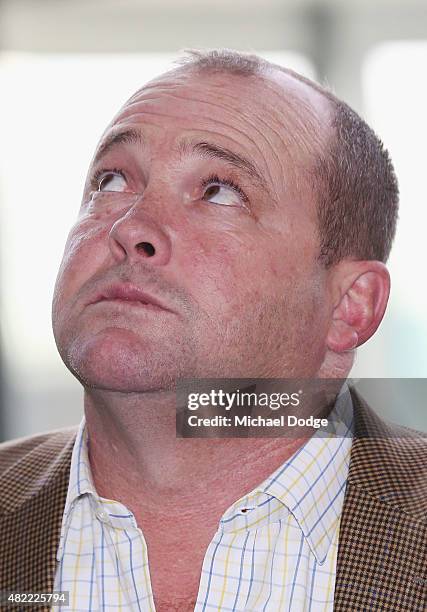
[[102, 515]]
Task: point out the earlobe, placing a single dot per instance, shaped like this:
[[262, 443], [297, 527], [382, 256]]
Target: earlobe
[[363, 288]]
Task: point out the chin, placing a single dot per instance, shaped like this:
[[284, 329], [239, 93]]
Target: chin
[[117, 359]]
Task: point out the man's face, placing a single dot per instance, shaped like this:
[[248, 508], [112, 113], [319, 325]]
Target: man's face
[[202, 200]]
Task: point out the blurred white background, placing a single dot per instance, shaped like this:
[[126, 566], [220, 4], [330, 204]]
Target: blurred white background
[[65, 69]]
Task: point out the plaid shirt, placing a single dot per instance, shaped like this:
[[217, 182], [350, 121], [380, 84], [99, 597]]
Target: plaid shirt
[[275, 548]]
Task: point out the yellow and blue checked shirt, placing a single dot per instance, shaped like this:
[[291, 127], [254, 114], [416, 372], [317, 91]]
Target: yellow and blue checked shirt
[[275, 548]]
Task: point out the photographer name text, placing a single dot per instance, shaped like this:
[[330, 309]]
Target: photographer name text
[[256, 421]]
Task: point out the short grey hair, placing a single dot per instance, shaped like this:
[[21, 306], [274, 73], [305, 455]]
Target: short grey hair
[[354, 179]]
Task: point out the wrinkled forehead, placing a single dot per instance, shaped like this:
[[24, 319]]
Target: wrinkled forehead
[[275, 101], [282, 122]]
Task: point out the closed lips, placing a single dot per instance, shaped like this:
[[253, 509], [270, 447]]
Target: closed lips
[[127, 293]]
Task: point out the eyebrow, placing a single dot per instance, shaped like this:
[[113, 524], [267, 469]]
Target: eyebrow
[[129, 136], [213, 151], [204, 149]]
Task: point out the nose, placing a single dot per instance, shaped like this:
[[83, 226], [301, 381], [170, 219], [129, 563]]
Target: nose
[[137, 236]]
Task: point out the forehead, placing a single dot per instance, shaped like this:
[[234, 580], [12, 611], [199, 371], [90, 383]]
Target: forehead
[[278, 121]]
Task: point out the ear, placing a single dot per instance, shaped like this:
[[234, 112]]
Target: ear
[[360, 291]]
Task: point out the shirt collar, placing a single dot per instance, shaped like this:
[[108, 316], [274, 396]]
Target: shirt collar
[[80, 480], [310, 484]]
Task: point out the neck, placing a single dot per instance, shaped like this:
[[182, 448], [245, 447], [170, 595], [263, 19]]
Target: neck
[[133, 448]]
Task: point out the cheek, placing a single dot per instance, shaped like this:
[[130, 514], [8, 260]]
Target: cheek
[[239, 271], [84, 251], [224, 269]]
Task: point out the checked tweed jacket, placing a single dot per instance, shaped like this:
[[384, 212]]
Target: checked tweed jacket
[[382, 553]]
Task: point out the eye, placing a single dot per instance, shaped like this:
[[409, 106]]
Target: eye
[[111, 180], [223, 192]]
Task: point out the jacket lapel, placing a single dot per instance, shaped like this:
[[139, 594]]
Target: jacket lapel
[[30, 522], [382, 560]]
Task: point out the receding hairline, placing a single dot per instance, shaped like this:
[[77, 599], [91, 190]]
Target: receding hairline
[[244, 64], [231, 63], [217, 61], [314, 128]]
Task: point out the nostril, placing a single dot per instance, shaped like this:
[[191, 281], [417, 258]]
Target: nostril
[[147, 247]]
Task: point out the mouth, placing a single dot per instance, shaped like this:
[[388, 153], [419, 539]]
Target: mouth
[[128, 295]]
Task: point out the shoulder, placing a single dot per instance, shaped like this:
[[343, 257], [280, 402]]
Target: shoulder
[[29, 463], [39, 447], [389, 461]]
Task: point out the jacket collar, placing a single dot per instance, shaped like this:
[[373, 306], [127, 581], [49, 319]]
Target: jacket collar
[[381, 458], [381, 555]]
